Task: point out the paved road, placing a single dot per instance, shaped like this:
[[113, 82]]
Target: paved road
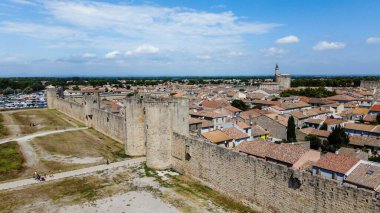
[[38, 134], [73, 173]]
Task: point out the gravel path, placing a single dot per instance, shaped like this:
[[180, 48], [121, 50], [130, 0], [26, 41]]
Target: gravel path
[[73, 173], [38, 134]]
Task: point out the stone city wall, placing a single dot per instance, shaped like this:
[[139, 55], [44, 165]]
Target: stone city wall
[[71, 109], [109, 124], [265, 186]]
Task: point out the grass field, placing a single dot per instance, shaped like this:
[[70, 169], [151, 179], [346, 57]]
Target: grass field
[[3, 130], [31, 121], [11, 161], [69, 191], [83, 143]]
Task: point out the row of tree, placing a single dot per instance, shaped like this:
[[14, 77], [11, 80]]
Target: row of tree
[[319, 92]]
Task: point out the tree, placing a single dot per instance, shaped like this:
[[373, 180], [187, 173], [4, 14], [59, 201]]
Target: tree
[[337, 139], [8, 91], [324, 126], [291, 131], [315, 142], [28, 90], [239, 104], [76, 88]]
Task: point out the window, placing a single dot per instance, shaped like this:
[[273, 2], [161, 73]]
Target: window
[[187, 153]]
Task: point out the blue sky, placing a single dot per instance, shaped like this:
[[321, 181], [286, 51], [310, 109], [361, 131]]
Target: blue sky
[[189, 37]]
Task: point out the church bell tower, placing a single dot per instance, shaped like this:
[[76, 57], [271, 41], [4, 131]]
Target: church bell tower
[[276, 74]]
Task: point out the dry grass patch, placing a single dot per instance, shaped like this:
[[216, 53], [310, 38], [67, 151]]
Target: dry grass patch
[[3, 131], [81, 144], [65, 192], [31, 121]]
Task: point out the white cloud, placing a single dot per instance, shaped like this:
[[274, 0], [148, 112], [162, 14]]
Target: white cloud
[[273, 51], [288, 40], [204, 57], [235, 53], [371, 40], [88, 55], [324, 45], [113, 54], [40, 31], [143, 49]]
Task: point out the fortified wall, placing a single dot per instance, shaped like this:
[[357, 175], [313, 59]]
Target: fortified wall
[[158, 128], [370, 84]]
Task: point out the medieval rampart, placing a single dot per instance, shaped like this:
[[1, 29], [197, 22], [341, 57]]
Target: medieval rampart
[[159, 130], [266, 186]]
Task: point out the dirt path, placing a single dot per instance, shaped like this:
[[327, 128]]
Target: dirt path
[[38, 134], [12, 126], [73, 173], [30, 154]]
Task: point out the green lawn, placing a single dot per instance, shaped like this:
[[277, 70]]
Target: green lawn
[[11, 161]]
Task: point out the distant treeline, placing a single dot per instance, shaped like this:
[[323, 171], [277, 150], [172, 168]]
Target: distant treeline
[[330, 81], [319, 92], [27, 85]]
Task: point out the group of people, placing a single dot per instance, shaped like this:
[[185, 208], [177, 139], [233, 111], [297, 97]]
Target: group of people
[[41, 177]]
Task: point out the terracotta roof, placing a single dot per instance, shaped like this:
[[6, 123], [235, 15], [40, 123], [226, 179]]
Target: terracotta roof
[[216, 136], [266, 102], [207, 113], [360, 127], [258, 131], [331, 121], [360, 111], [195, 121], [278, 118], [287, 153], [365, 175], [293, 105], [369, 118], [243, 125], [253, 113], [320, 101], [342, 98], [351, 104], [336, 163], [256, 96], [232, 109], [309, 113], [304, 99], [364, 141], [211, 104], [258, 148], [206, 123], [313, 121], [317, 132], [235, 133], [375, 107]]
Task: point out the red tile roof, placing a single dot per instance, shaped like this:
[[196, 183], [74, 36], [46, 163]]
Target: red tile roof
[[235, 133], [211, 104], [337, 163], [232, 109], [258, 148], [375, 107], [287, 153]]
